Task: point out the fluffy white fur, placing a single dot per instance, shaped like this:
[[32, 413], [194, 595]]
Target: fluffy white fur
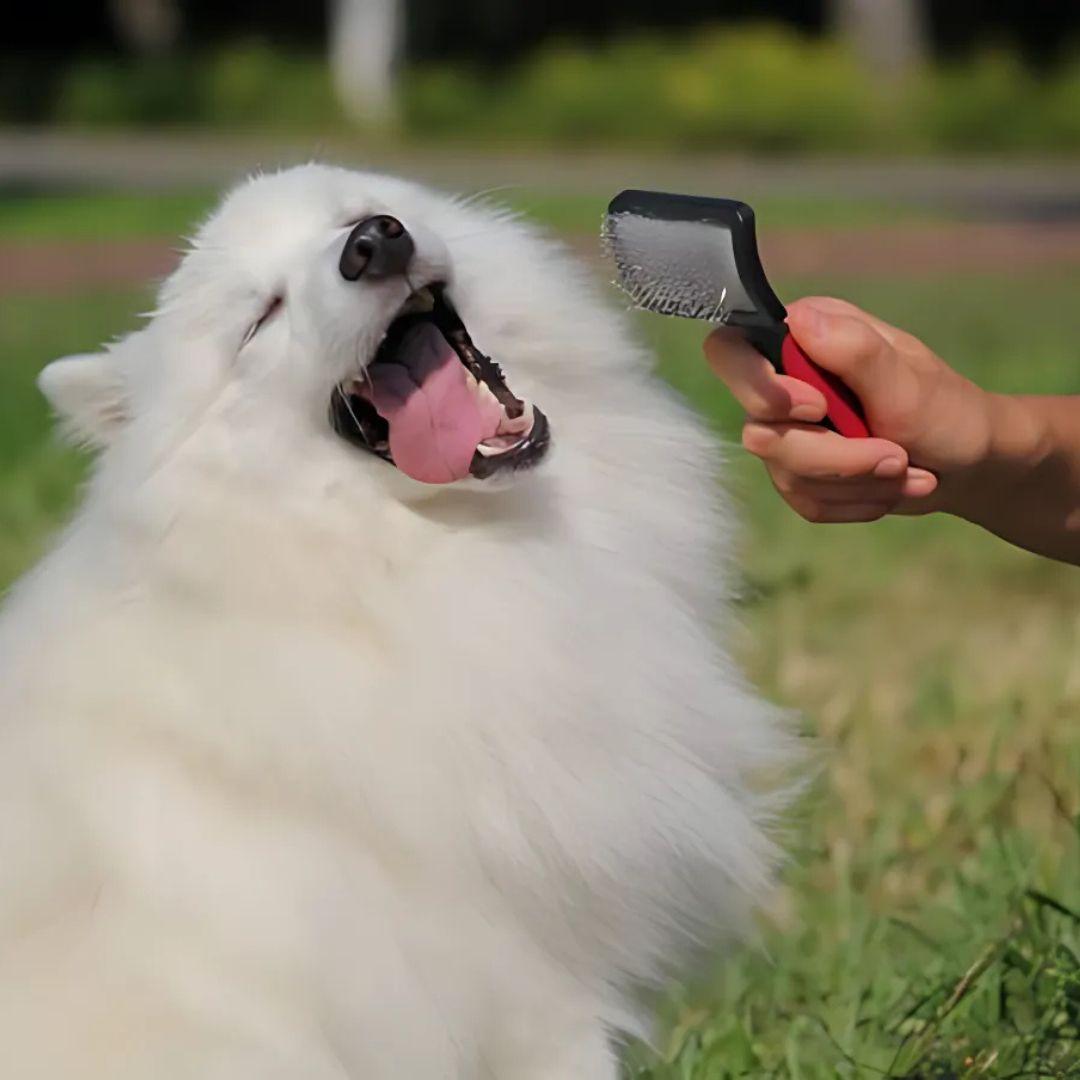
[[309, 770]]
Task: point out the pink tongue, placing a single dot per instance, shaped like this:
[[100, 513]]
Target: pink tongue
[[436, 419]]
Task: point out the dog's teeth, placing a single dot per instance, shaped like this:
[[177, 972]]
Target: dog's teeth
[[520, 425], [490, 451]]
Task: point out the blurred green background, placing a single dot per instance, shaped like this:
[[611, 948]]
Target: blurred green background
[[884, 75], [918, 158]]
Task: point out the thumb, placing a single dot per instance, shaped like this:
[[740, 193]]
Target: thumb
[[844, 344]]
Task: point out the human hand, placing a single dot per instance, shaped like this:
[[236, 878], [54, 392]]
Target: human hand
[[931, 428]]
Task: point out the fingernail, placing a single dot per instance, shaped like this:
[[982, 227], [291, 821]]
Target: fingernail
[[813, 319], [919, 483], [889, 468], [807, 413]]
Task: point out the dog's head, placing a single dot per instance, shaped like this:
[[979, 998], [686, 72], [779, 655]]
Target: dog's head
[[369, 310]]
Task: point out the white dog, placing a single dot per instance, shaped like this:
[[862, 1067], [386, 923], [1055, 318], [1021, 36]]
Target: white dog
[[368, 721]]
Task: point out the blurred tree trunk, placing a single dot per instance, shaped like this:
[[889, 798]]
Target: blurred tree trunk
[[889, 36], [147, 27], [365, 41]]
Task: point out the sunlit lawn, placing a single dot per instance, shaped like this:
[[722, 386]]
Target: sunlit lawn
[[940, 672], [924, 928]]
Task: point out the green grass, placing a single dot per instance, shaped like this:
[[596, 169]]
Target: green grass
[[100, 215], [38, 475], [927, 926], [111, 215], [938, 669]]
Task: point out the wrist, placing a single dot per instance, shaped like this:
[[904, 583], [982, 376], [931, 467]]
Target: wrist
[[1018, 440]]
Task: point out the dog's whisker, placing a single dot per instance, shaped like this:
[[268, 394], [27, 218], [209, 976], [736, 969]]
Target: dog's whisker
[[348, 404], [457, 238], [469, 199]]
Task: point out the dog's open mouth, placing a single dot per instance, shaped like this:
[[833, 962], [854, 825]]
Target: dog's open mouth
[[435, 406]]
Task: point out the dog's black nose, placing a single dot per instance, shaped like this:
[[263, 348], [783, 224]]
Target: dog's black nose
[[377, 248]]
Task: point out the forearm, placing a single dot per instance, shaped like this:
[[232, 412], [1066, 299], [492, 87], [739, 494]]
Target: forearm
[[1027, 488]]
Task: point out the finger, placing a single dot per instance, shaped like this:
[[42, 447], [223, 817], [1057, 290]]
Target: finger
[[919, 484], [847, 346], [832, 305], [914, 484], [815, 452], [838, 492], [924, 499], [757, 386], [821, 513]]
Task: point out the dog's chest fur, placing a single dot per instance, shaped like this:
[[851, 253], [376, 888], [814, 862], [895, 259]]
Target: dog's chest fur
[[486, 699]]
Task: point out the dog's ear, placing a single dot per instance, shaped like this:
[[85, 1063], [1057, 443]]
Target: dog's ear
[[88, 395]]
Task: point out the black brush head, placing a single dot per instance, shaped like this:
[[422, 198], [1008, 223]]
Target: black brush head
[[691, 256]]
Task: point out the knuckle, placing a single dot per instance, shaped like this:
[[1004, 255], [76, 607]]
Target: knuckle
[[857, 346], [911, 348], [872, 513], [720, 343], [811, 510], [842, 471], [761, 404], [751, 403], [784, 482], [866, 342], [855, 472], [716, 354], [757, 439], [824, 474], [830, 473]]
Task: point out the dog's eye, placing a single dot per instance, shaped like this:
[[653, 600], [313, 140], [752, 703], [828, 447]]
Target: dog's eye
[[271, 310]]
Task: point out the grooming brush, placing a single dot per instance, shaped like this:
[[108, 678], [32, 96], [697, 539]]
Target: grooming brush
[[697, 257]]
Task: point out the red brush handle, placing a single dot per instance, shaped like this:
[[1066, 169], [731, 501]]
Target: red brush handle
[[843, 411]]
